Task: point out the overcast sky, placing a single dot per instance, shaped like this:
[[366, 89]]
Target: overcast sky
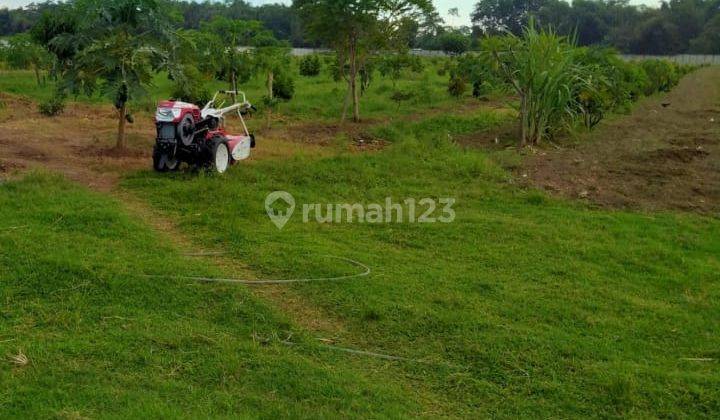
[[465, 7]]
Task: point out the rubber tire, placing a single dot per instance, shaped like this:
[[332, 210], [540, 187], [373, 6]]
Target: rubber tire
[[161, 163], [218, 145]]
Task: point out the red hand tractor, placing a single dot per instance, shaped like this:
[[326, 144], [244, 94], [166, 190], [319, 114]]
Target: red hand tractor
[[186, 133]]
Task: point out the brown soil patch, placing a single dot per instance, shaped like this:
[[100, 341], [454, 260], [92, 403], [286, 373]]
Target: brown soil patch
[[78, 143], [9, 167], [657, 158]]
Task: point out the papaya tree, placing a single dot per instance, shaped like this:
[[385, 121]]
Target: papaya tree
[[119, 46]]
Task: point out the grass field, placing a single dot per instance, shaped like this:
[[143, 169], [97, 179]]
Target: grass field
[[525, 306], [103, 341]]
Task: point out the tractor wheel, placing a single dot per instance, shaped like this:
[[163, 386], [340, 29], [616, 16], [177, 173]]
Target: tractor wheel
[[163, 163], [186, 130], [219, 156]]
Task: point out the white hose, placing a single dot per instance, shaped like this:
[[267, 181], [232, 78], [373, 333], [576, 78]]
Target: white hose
[[365, 273]]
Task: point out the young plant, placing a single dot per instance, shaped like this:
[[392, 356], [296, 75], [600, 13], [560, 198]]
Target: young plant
[[115, 47], [272, 59], [540, 68], [310, 65]]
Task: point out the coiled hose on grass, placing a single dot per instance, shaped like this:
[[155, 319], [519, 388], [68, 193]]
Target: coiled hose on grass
[[366, 272]]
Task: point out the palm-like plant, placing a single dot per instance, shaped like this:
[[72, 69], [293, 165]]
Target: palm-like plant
[[122, 44], [541, 69]]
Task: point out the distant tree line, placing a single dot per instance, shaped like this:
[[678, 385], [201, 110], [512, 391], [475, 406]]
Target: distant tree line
[[282, 20], [678, 26]]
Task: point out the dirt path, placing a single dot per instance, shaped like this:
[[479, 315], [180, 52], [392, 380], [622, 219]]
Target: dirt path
[[664, 156], [281, 297]]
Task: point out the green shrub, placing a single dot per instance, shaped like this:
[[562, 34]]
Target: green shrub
[[613, 83], [475, 69], [310, 65], [542, 69], [190, 86], [283, 86], [423, 89], [400, 96], [52, 107], [335, 70], [457, 86], [662, 75]]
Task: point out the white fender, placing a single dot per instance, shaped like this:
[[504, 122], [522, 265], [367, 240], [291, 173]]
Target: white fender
[[241, 150]]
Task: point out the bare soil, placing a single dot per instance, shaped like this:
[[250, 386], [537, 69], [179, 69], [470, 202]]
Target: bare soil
[[664, 156], [78, 143]]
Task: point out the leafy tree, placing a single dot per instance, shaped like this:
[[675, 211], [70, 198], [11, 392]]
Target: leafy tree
[[190, 85], [235, 65], [613, 22], [393, 65], [589, 20], [310, 65], [358, 28], [689, 18], [708, 42], [112, 46], [497, 16], [21, 52], [272, 59], [657, 36], [59, 31], [454, 42]]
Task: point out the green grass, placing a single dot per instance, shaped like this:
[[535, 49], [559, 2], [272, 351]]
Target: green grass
[[524, 306], [103, 341]]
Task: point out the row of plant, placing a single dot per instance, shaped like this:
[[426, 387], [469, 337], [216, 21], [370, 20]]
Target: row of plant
[[557, 84]]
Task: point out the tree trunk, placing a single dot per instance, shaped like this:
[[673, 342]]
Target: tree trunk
[[356, 103], [345, 104], [270, 80], [37, 75], [233, 85], [122, 112], [353, 81]]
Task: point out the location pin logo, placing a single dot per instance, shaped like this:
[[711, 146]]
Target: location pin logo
[[279, 206]]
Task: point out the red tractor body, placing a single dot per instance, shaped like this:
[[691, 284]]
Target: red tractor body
[[186, 133]]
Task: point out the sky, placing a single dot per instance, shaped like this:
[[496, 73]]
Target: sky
[[465, 7]]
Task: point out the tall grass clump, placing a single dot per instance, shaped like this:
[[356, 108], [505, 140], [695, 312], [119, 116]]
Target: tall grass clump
[[540, 67]]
